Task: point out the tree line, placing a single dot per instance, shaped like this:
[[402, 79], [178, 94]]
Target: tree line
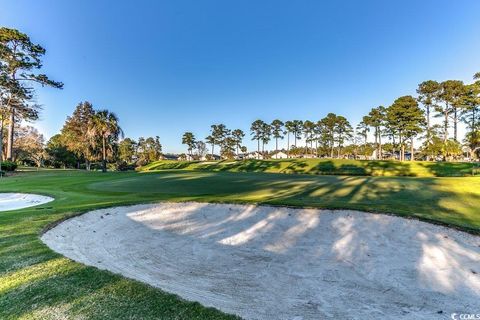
[[406, 120], [91, 136], [88, 135]]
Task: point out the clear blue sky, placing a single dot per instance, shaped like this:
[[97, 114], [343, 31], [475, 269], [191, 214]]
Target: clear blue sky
[[166, 67]]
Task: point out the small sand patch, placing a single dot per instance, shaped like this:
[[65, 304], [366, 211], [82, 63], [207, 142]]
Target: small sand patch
[[14, 201]]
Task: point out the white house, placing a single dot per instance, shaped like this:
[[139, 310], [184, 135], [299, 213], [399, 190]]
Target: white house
[[279, 155], [254, 155], [209, 157]]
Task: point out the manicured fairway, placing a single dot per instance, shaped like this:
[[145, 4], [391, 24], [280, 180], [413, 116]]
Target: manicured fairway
[[327, 167], [37, 283]]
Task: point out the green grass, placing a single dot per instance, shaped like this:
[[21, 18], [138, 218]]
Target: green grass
[[326, 167], [36, 283]]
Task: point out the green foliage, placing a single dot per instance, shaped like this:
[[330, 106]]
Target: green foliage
[[127, 149], [9, 166], [58, 154], [74, 132], [148, 150], [20, 58]]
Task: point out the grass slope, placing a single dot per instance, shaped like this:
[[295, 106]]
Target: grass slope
[[36, 283], [326, 167]]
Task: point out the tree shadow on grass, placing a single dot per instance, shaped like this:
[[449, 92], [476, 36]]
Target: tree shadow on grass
[[424, 198], [448, 169], [241, 166]]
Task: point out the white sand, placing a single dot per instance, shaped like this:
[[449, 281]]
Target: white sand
[[278, 263], [14, 201]]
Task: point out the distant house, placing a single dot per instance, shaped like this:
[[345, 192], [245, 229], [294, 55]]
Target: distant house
[[209, 157], [169, 156], [254, 155], [309, 156], [241, 156], [279, 155]]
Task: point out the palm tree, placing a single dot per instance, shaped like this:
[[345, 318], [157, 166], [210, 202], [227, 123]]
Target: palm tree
[[218, 134], [256, 130], [428, 95], [309, 131], [266, 135], [210, 140], [237, 136], [343, 131], [362, 131], [289, 129], [329, 123], [376, 119], [277, 131], [297, 130], [189, 139], [104, 124]]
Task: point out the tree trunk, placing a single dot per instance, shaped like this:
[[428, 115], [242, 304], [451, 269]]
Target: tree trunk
[[402, 149], [473, 119], [288, 145], [11, 128], [1, 145], [104, 156], [445, 126], [380, 152], [428, 123], [455, 120], [258, 149], [411, 150], [276, 144], [213, 146]]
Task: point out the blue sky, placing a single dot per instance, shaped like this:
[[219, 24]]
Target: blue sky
[[166, 67]]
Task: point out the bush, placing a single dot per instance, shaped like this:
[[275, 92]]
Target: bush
[[9, 166], [121, 166]]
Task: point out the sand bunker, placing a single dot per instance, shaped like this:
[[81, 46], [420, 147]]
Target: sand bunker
[[278, 263], [14, 201]]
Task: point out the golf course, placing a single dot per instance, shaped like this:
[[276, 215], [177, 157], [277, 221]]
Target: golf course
[[37, 283], [255, 160]]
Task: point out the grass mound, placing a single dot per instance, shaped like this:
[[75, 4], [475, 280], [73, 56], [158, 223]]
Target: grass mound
[[325, 167]]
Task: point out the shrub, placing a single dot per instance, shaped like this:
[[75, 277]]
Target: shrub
[[122, 166], [9, 166]]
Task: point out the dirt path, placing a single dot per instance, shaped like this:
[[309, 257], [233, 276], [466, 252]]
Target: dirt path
[[279, 263]]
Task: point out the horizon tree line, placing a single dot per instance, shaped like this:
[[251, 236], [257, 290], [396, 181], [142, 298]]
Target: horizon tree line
[[94, 135], [406, 120]]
